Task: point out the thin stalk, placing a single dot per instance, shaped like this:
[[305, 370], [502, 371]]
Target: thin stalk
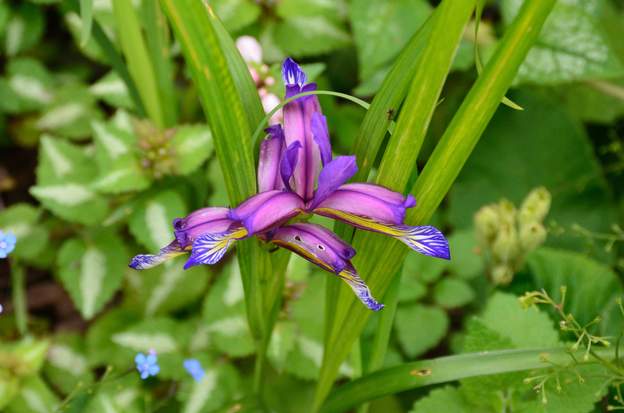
[[18, 292], [447, 369]]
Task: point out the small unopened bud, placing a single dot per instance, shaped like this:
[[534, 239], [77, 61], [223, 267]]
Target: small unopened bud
[[507, 212], [535, 206], [532, 235], [249, 48], [505, 246], [502, 274], [486, 224], [269, 102]]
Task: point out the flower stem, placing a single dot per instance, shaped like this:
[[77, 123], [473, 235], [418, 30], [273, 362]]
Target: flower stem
[[18, 291]]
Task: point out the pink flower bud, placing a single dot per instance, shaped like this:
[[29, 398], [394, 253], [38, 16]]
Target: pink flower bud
[[249, 48]]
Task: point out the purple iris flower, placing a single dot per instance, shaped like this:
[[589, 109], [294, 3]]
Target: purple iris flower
[[298, 176]]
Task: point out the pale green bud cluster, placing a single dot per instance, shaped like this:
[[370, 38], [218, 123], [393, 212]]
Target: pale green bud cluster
[[506, 234]]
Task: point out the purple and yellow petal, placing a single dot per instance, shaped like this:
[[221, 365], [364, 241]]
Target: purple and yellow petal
[[359, 287], [145, 261], [210, 248], [199, 222]]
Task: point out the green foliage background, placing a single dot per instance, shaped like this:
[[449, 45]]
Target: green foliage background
[[103, 143]]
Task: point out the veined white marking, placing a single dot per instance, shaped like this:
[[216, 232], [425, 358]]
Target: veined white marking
[[231, 326], [68, 194], [14, 35], [162, 343], [122, 120], [107, 403], [314, 351], [125, 397], [35, 402], [200, 339], [112, 86], [157, 223], [201, 392], [92, 273], [19, 229], [66, 358], [113, 145], [61, 116], [197, 141], [60, 164], [112, 179], [169, 279], [30, 88]]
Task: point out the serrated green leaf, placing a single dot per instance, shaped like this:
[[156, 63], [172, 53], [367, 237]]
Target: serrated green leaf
[[28, 86], [411, 289], [34, 397], [382, 28], [168, 287], [224, 313], [163, 335], [219, 385], [423, 269], [119, 166], [465, 261], [101, 350], [24, 28], [91, 270], [420, 328], [192, 146], [70, 113], [592, 288], [572, 45], [64, 174], [452, 293], [66, 363], [112, 90], [446, 399], [23, 221], [150, 222]]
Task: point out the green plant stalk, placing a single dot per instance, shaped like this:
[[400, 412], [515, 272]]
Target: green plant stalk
[[18, 295], [448, 369], [158, 46], [113, 58], [440, 172], [86, 14], [206, 55], [400, 158], [139, 64]]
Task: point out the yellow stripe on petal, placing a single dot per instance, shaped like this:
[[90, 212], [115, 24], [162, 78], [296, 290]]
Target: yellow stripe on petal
[[362, 222], [297, 249]]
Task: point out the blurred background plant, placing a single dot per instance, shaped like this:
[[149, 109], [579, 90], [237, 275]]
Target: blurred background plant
[[100, 151]]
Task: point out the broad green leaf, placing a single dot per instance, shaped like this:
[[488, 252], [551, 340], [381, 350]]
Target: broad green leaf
[[224, 313], [9, 387], [593, 101], [168, 287], [151, 221], [91, 49], [420, 328], [541, 146], [236, 14], [411, 289], [91, 270], [446, 399], [592, 287], [282, 344], [24, 28], [192, 146], [309, 36], [382, 28], [64, 174], [23, 221], [572, 46], [452, 293], [122, 395], [34, 396], [423, 269], [27, 355], [112, 90], [70, 113], [28, 86], [66, 363], [116, 154], [465, 262]]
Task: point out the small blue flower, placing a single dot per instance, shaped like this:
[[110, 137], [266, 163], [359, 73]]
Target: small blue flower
[[7, 243], [194, 368], [147, 365]]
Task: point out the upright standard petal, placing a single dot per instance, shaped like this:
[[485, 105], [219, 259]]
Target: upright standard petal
[[267, 210], [270, 154], [289, 163], [321, 136], [298, 127], [332, 176], [378, 209], [323, 248]]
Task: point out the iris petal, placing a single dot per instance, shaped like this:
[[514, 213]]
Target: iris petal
[[199, 222], [359, 287], [289, 163], [270, 154], [145, 261], [321, 136], [332, 176], [269, 211], [210, 248]]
